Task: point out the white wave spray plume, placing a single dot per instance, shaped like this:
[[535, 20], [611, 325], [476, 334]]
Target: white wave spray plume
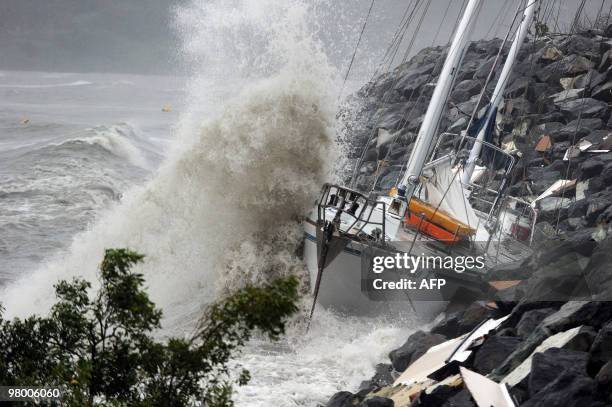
[[235, 185]]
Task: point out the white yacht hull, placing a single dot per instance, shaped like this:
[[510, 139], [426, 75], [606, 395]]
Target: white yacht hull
[[341, 286]]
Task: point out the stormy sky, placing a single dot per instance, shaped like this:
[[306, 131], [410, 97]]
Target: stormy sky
[[137, 36]]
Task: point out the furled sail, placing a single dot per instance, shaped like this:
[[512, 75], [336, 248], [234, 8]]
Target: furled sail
[[443, 189]]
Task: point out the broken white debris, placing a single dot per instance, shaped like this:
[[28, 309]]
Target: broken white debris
[[486, 392], [454, 350], [556, 188]]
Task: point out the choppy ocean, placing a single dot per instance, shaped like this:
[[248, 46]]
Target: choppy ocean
[[70, 144]]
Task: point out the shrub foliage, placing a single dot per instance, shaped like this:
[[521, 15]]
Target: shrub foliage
[[101, 350]]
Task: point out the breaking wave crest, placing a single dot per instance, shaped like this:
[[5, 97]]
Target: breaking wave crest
[[120, 140]]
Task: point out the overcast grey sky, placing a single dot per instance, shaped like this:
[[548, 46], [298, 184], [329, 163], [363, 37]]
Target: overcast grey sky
[[137, 36]]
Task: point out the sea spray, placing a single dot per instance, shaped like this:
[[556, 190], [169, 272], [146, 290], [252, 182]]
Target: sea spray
[[234, 188]]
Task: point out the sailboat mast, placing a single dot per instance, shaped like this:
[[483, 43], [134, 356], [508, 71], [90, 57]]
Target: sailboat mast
[[496, 98], [428, 129]]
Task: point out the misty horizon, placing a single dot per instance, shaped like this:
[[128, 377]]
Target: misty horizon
[[140, 37]]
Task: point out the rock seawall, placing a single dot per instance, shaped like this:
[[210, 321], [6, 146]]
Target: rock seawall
[[556, 119]]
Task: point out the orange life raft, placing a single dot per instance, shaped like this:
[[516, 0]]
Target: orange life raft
[[435, 222]]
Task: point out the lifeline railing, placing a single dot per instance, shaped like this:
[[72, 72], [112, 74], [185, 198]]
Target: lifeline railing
[[353, 204]]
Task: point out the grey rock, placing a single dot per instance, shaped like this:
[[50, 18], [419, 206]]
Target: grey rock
[[545, 367], [583, 108], [583, 340], [552, 204], [569, 390], [415, 346], [571, 65], [605, 61], [604, 377], [603, 92], [582, 45], [599, 272], [382, 377], [377, 401], [590, 168], [466, 89], [601, 350], [462, 399], [566, 95], [561, 279], [549, 53], [510, 271], [570, 315], [485, 68], [589, 80], [518, 87], [531, 319], [342, 399], [493, 352], [459, 322]]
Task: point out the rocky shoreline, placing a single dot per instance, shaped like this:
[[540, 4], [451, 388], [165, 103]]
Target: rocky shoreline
[[552, 342]]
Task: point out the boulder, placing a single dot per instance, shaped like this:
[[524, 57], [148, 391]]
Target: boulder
[[517, 270], [606, 58], [603, 92], [576, 129], [542, 178], [377, 401], [604, 378], [601, 350], [549, 54], [570, 315], [457, 323], [589, 80], [462, 399], [382, 377], [343, 399], [560, 280], [409, 86], [583, 108], [493, 352], [566, 95], [395, 115], [583, 341], [580, 44], [468, 69], [550, 206], [531, 319], [547, 117], [569, 389], [415, 346], [519, 87], [599, 272], [571, 65], [598, 202], [438, 397], [466, 89], [483, 71], [545, 367]]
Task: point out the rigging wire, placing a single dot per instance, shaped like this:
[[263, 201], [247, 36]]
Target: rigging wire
[[385, 98], [365, 23]]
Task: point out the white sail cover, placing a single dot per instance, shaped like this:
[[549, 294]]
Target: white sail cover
[[444, 190]]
